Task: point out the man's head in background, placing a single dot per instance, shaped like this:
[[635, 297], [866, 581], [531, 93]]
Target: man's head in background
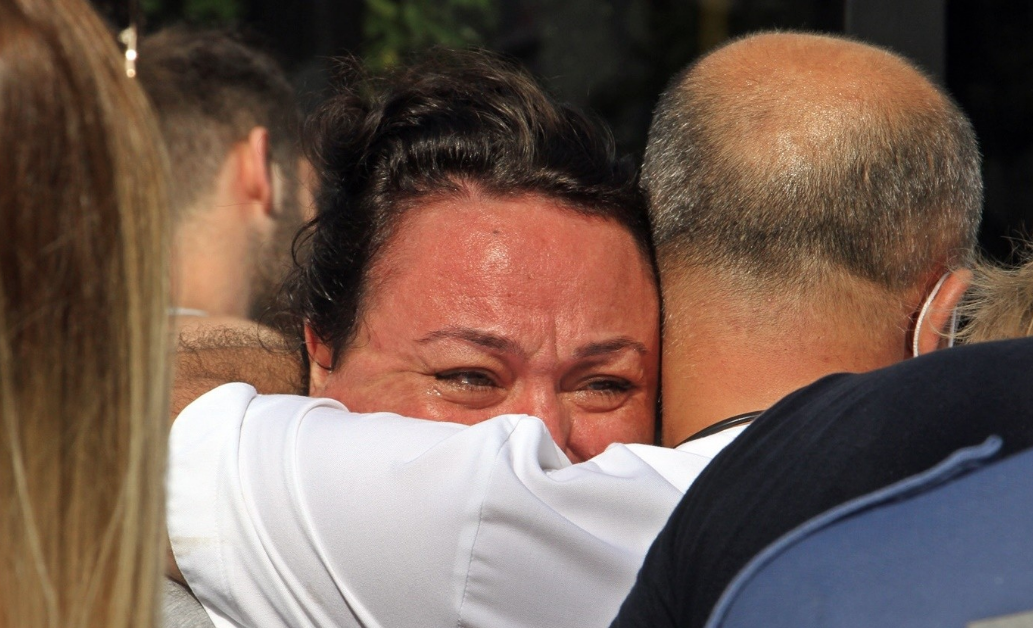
[[230, 122], [812, 198]]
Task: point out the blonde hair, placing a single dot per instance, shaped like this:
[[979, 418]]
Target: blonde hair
[[83, 338], [999, 303]]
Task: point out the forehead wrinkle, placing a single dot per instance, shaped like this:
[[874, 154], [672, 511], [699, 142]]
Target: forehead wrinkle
[[474, 336], [481, 278], [614, 345]]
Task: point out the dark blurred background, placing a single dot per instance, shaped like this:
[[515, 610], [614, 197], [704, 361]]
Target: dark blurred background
[[614, 56]]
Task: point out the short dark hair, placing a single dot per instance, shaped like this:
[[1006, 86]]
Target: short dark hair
[[209, 90], [450, 124], [891, 196]]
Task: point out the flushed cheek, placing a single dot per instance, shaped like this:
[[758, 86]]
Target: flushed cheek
[[418, 398], [427, 403], [377, 392], [591, 434]]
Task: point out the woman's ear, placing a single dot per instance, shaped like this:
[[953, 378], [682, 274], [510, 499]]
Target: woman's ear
[[933, 330], [319, 360]]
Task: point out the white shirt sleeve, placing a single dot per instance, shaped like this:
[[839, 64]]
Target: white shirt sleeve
[[292, 511]]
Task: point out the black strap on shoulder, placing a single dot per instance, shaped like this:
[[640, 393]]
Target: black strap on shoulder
[[722, 425]]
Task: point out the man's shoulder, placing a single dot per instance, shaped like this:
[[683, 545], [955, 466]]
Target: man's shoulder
[[180, 609]]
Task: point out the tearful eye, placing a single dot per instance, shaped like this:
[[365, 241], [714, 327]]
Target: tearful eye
[[604, 394], [611, 386], [467, 379], [469, 388]]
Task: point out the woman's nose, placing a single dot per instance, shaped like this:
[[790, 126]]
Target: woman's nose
[[545, 403]]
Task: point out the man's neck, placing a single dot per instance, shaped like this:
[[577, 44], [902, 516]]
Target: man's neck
[[723, 357], [210, 269]]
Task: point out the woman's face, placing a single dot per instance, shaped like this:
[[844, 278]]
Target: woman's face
[[480, 306]]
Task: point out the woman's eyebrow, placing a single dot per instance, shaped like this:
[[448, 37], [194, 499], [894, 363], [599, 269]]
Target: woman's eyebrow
[[479, 337], [604, 347]]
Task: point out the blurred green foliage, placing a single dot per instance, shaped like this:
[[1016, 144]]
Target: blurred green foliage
[[208, 12], [393, 28]]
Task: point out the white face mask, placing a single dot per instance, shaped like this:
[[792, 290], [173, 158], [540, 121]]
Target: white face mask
[[925, 310]]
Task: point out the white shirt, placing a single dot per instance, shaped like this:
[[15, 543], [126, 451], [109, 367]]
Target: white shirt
[[292, 511]]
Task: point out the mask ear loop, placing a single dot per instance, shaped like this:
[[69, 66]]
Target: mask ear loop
[[953, 328], [925, 311]]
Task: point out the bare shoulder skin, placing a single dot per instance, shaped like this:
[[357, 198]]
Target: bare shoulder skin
[[211, 352]]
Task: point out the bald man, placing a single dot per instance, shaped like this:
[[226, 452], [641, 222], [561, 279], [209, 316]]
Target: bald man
[[815, 201]]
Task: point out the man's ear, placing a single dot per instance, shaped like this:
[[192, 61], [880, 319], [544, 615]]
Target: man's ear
[[933, 330], [256, 177], [319, 359]]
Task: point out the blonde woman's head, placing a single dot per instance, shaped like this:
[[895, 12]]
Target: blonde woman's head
[[82, 326], [999, 304]]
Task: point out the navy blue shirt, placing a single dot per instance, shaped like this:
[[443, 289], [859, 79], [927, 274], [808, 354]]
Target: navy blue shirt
[[840, 438]]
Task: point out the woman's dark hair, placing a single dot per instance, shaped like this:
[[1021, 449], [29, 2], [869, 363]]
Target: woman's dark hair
[[448, 125]]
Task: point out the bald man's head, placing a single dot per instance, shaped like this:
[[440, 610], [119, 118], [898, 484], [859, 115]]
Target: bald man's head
[[787, 159]]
